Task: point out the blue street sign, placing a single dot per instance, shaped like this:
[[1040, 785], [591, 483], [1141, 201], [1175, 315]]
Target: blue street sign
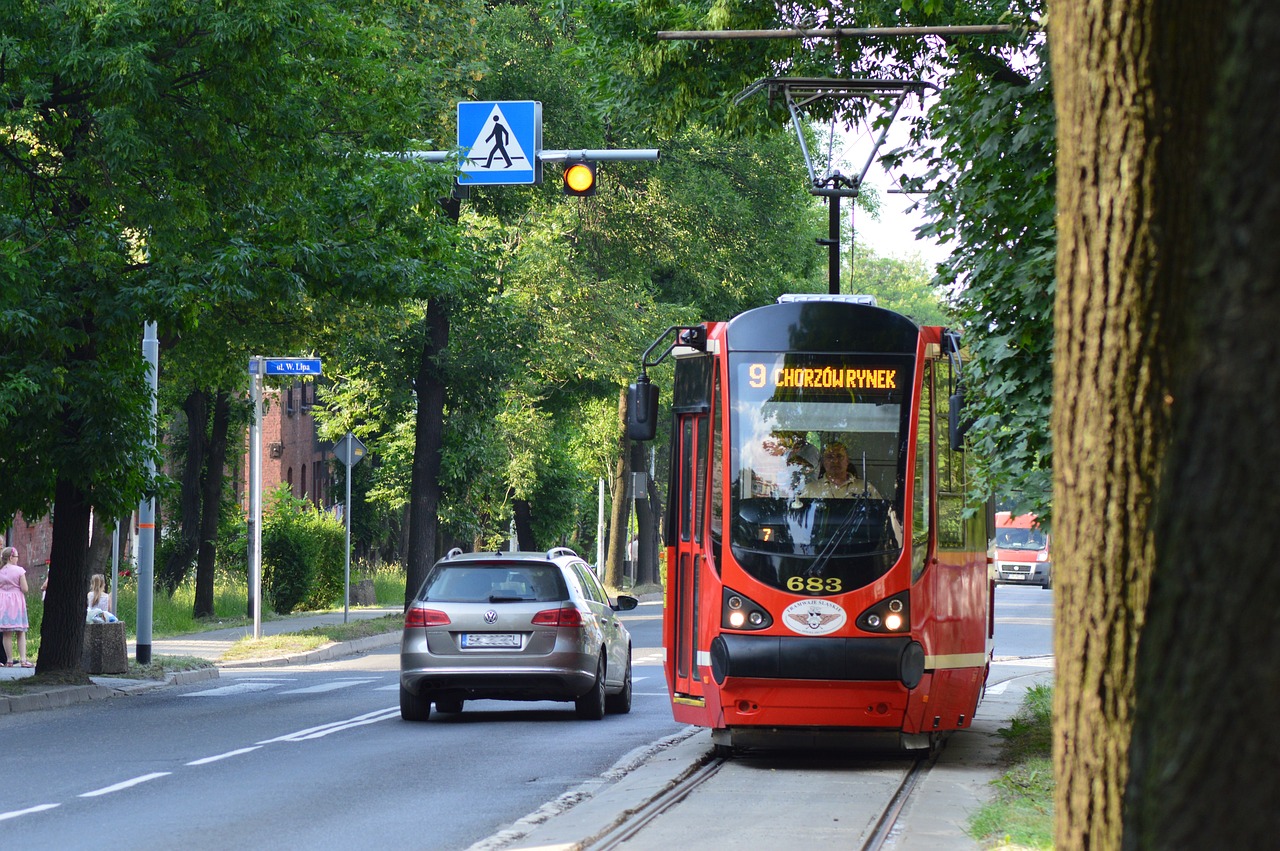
[[292, 366], [502, 141]]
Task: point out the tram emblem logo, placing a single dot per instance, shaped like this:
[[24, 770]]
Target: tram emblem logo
[[814, 617]]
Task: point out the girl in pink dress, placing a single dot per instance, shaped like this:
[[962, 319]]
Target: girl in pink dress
[[13, 605]]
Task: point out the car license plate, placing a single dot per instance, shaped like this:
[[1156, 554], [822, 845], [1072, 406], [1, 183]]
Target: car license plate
[[490, 639]]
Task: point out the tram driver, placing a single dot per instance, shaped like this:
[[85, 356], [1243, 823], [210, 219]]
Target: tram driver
[[838, 481]]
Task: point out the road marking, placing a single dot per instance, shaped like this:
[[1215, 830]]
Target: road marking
[[36, 809], [238, 688], [337, 726], [332, 686], [107, 790], [209, 759]]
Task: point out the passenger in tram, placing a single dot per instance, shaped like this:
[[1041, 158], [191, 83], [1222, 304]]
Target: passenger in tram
[[837, 480]]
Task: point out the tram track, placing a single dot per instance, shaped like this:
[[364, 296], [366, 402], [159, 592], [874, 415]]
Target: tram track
[[884, 825], [637, 820]]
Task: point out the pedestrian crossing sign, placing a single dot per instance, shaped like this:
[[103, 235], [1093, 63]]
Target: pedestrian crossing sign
[[500, 141]]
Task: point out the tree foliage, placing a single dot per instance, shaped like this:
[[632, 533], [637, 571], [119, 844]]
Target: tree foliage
[[170, 164]]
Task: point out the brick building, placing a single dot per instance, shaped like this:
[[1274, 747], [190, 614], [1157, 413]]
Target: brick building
[[292, 453]]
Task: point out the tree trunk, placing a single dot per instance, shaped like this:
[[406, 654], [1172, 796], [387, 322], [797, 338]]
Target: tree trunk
[[650, 572], [99, 545], [1205, 729], [173, 571], [523, 515], [424, 489], [211, 485], [65, 601], [1128, 150], [616, 551]]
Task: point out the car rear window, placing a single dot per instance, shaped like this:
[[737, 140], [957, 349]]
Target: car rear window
[[494, 583]]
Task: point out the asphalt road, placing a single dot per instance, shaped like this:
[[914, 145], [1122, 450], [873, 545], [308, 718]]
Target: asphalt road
[[310, 755]]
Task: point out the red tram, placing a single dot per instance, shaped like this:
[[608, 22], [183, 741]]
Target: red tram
[[825, 575]]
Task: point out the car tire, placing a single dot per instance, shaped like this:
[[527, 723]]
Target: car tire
[[413, 707], [590, 706], [449, 705], [620, 703]]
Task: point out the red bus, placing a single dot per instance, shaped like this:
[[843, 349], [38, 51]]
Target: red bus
[[826, 578]]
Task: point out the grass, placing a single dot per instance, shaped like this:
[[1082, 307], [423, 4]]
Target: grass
[[311, 639], [1021, 816]]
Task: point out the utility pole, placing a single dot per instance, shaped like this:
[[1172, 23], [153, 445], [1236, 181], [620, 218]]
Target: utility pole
[[147, 509]]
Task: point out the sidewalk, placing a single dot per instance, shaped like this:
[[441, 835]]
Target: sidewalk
[[204, 645]]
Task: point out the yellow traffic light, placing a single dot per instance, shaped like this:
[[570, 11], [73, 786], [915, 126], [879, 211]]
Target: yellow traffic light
[[580, 178]]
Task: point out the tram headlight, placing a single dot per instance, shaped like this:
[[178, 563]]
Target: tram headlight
[[889, 615], [741, 612]]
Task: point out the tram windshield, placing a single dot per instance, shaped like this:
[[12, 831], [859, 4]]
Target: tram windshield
[[817, 467]]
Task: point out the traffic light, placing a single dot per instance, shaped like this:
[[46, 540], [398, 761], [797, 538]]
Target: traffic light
[[580, 178]]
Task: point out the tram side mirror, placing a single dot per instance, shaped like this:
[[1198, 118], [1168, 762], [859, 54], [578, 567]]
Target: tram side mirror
[[642, 410], [958, 424]]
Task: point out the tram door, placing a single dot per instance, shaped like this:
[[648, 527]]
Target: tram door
[[691, 463]]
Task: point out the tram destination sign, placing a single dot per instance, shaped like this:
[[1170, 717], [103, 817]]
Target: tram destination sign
[[822, 377]]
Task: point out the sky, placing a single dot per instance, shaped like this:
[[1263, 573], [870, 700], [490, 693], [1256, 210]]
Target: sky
[[893, 234]]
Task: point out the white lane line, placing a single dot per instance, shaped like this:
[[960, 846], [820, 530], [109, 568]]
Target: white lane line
[[28, 811], [332, 686], [998, 688], [336, 726], [238, 688], [395, 687], [208, 759], [107, 790]]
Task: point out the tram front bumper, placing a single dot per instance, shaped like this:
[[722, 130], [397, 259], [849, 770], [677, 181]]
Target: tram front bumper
[[779, 657]]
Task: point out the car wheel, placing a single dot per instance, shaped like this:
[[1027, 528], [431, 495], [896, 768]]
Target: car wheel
[[413, 707], [620, 703], [591, 705], [449, 705]]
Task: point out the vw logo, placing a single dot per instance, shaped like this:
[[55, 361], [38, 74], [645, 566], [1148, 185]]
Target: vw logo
[[490, 616]]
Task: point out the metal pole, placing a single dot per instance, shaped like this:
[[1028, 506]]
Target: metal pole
[[600, 530], [147, 509], [115, 569], [346, 511], [833, 245], [255, 496], [834, 32]]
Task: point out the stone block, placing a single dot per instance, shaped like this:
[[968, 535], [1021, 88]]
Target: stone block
[[106, 648], [364, 594]]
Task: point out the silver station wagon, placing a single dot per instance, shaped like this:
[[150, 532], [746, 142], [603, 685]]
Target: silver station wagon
[[514, 626]]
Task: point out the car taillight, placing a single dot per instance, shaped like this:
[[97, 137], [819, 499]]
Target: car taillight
[[418, 617], [567, 616]]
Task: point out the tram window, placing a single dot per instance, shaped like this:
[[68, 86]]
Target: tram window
[[686, 477], [700, 501], [717, 462], [951, 485], [923, 477]]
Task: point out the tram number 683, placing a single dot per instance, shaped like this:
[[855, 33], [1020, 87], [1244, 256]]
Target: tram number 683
[[814, 584]]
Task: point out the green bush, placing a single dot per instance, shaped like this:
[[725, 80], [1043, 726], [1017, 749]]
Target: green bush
[[329, 576], [302, 555], [287, 562]]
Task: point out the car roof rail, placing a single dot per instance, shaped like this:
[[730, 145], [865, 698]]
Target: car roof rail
[[456, 551], [555, 552]]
